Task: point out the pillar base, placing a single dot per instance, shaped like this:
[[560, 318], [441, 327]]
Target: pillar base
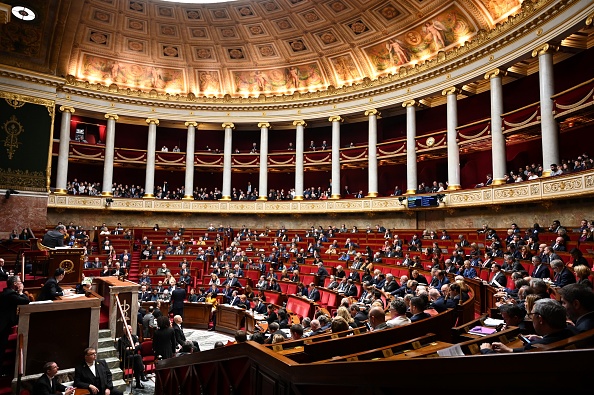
[[298, 198], [454, 187], [225, 198], [410, 192], [262, 198], [148, 196], [372, 195], [335, 197], [498, 181], [60, 192], [188, 197], [106, 194], [546, 173]]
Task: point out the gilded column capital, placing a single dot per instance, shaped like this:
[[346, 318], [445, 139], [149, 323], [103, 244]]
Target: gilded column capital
[[191, 123], [449, 91], [152, 120], [228, 125], [372, 111], [495, 73], [300, 122], [590, 20], [264, 125], [335, 118], [112, 116], [543, 49], [67, 109], [409, 103]]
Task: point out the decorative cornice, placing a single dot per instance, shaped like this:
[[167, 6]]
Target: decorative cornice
[[544, 49], [112, 116], [228, 125], [262, 125], [154, 121], [67, 109], [299, 123], [335, 118], [373, 111]]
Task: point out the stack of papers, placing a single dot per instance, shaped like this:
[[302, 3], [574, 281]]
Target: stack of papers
[[482, 331]]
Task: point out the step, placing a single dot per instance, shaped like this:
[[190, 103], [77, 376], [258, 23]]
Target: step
[[103, 333], [106, 352], [105, 342]]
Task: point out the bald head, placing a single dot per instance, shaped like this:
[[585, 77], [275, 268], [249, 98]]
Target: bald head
[[376, 316]]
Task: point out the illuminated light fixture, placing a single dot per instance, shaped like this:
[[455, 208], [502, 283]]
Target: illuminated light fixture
[[23, 13]]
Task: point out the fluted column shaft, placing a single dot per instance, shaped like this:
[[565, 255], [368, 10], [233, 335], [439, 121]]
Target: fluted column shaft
[[548, 125], [151, 148], [497, 138], [452, 139], [109, 154], [227, 160], [62, 172], [372, 188], [299, 136], [411, 147], [336, 120], [190, 143], [263, 184]]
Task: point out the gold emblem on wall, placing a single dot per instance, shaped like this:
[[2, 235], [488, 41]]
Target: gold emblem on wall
[[67, 265], [430, 141], [14, 102], [13, 129]]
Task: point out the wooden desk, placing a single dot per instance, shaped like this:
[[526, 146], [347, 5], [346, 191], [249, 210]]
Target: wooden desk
[[127, 291], [197, 315], [422, 352], [229, 318]]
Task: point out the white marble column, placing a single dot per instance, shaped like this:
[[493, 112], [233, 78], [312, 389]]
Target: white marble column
[[372, 188], [411, 146], [548, 125], [151, 148], [452, 139], [336, 120], [190, 146], [227, 160], [109, 153], [497, 138], [62, 174], [300, 131], [263, 184]]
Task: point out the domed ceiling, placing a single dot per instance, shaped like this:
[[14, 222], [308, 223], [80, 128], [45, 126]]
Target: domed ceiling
[[240, 48]]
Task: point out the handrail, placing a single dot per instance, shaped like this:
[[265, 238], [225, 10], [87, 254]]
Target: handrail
[[122, 353]]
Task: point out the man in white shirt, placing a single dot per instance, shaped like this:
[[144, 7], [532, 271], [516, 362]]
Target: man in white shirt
[[398, 313]]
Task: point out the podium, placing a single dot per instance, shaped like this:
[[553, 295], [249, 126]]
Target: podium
[[229, 318], [46, 260], [58, 331], [127, 291]]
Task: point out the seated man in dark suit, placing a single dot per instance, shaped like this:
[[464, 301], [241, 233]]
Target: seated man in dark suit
[[47, 383], [131, 358], [417, 308], [313, 294], [54, 238], [549, 320], [94, 375], [51, 290], [578, 300], [563, 276]]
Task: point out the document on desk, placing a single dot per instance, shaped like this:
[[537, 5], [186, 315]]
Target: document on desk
[[453, 351]]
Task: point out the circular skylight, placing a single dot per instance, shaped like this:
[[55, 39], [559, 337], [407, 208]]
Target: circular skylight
[[23, 13]]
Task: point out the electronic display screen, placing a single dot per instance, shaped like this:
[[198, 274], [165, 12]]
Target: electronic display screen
[[422, 201]]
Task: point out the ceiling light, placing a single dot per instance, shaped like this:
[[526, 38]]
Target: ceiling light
[[23, 13]]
